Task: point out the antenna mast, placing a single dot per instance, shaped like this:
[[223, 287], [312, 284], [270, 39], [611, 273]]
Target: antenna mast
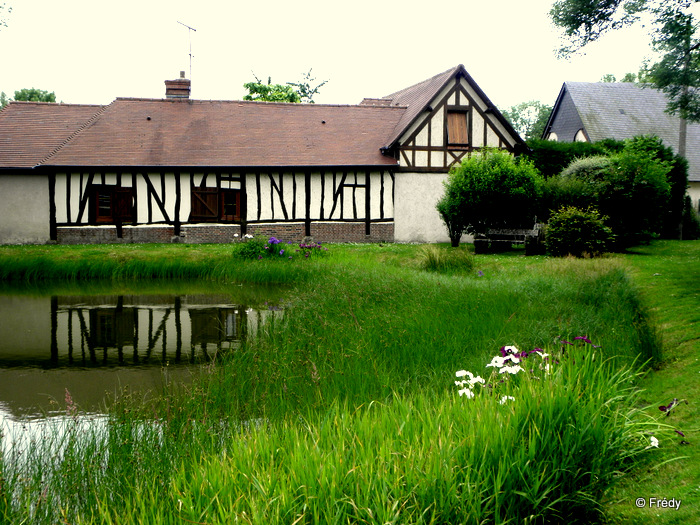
[[190, 29]]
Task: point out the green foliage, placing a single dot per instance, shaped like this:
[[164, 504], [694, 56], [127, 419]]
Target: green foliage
[[677, 178], [629, 187], [294, 92], [690, 225], [577, 232], [35, 95], [258, 248], [635, 196], [304, 87], [551, 157], [584, 21], [490, 189], [528, 118], [270, 92], [4, 101]]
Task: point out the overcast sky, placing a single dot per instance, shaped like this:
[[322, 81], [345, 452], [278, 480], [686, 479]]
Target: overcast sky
[[90, 51]]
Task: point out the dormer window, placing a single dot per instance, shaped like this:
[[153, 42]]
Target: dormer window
[[457, 127]]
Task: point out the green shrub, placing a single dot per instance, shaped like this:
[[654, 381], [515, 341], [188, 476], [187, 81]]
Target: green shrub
[[577, 232], [551, 157], [491, 189], [251, 248], [587, 168]]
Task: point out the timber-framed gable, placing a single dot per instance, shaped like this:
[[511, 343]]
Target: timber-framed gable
[[454, 124]]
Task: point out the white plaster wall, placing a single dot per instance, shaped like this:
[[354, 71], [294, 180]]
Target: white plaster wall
[[694, 192], [415, 216], [24, 209]]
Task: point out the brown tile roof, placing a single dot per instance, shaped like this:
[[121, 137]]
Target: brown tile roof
[[30, 131], [149, 132]]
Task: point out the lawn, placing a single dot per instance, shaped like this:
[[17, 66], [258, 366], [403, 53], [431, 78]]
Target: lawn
[[346, 409]]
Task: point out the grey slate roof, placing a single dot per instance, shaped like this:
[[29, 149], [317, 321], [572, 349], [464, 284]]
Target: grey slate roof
[[625, 110]]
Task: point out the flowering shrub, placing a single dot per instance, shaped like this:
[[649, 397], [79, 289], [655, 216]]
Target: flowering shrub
[[252, 247]]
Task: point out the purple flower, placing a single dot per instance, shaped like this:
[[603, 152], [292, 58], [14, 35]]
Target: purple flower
[[274, 240], [480, 273], [259, 256], [281, 252], [669, 407], [681, 434], [566, 342]]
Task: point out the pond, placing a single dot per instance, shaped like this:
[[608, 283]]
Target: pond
[[92, 342]]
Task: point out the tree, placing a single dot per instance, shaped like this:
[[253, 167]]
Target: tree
[[270, 92], [28, 95], [35, 95], [528, 118], [304, 89], [490, 189], [584, 21]]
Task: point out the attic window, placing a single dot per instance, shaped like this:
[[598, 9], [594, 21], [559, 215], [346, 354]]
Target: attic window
[[457, 127]]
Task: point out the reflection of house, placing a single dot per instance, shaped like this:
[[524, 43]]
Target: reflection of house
[[595, 111], [99, 331], [142, 170]]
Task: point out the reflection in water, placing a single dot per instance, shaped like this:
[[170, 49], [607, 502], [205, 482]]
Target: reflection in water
[[98, 344]]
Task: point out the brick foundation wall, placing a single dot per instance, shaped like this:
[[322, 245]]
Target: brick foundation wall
[[108, 234], [224, 233], [209, 233], [352, 232]]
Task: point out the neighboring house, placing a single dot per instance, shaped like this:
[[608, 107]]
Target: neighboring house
[[156, 170], [595, 111]]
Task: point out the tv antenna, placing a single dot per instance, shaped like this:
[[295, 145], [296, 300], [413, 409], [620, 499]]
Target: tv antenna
[[190, 29]]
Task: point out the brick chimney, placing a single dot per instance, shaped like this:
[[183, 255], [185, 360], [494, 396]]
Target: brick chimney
[[179, 88]]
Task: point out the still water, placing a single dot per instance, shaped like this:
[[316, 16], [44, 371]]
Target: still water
[[92, 344]]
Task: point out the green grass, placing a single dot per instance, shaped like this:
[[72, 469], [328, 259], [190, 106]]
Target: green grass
[[667, 272], [345, 410]]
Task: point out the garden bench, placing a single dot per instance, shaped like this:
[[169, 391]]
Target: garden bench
[[502, 239]]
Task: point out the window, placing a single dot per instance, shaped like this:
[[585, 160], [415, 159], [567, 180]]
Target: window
[[580, 136], [457, 128], [212, 205], [111, 204]]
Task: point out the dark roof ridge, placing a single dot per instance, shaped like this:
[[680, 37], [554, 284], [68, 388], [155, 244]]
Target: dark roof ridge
[[89, 122]]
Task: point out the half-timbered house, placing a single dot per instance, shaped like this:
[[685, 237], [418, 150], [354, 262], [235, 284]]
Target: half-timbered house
[[157, 170]]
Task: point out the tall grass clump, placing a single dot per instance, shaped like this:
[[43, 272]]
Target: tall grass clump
[[546, 455], [438, 259]]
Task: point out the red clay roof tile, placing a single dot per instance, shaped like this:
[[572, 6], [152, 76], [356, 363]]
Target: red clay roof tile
[[30, 131], [149, 132]]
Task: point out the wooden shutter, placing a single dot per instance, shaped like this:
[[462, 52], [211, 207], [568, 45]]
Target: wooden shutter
[[457, 128], [123, 205], [205, 204]]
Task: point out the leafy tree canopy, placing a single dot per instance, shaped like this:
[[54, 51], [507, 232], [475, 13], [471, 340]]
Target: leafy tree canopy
[[528, 118], [35, 95], [28, 95], [295, 92], [270, 92]]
